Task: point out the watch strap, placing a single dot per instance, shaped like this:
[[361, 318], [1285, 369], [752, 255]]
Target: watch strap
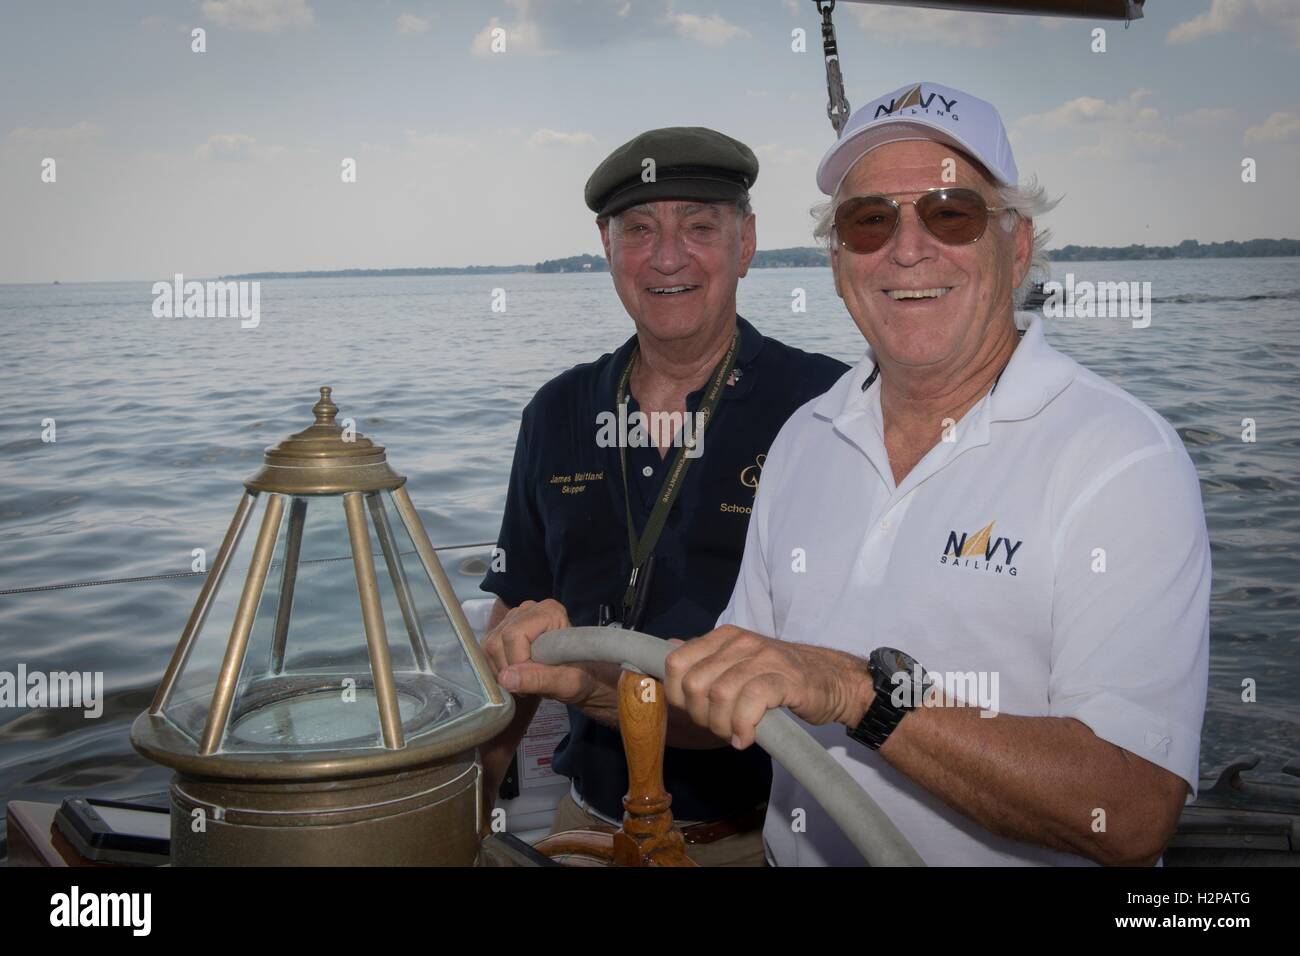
[[878, 722]]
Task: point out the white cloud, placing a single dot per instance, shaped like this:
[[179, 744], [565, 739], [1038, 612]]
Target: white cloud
[[1281, 127], [1260, 15], [522, 36], [944, 27], [712, 30], [259, 16], [1113, 130], [1221, 16], [410, 23], [552, 137], [550, 26], [1090, 110], [235, 147]]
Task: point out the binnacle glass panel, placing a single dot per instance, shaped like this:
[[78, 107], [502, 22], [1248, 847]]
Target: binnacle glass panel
[[307, 677]]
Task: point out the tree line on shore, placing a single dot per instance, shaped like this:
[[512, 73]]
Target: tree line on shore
[[804, 256]]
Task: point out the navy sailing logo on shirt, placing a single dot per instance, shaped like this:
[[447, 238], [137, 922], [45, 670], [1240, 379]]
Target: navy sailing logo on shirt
[[980, 551]]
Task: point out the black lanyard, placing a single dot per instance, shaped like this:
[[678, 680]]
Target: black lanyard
[[641, 550]]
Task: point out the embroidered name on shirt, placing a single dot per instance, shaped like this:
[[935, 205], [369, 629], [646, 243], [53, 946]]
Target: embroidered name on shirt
[[967, 550], [576, 483]]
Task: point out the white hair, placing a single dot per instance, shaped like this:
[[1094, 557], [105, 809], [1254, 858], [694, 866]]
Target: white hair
[[1027, 201]]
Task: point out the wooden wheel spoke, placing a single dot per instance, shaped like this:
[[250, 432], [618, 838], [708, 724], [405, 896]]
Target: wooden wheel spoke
[[647, 836]]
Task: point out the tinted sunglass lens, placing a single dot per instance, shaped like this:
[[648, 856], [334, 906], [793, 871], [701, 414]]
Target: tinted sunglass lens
[[954, 216], [866, 223]]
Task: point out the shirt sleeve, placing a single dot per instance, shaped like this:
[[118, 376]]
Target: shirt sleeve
[[519, 569], [750, 606], [1130, 615]]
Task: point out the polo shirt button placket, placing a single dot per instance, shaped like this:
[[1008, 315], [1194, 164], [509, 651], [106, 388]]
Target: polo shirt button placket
[[876, 549]]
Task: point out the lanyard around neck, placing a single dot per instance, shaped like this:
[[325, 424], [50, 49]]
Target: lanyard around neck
[[642, 547]]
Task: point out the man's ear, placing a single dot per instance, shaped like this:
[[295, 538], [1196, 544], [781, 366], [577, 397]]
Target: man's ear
[[1024, 249], [748, 242], [835, 271]]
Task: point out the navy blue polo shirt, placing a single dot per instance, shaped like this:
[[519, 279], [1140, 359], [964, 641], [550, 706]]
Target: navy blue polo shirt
[[564, 536]]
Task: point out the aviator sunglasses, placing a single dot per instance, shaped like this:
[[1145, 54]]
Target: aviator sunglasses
[[954, 215]]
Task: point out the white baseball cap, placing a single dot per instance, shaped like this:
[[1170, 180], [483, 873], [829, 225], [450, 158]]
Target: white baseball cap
[[922, 111]]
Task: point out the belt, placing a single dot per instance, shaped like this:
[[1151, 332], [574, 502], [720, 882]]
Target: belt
[[714, 830], [708, 831]]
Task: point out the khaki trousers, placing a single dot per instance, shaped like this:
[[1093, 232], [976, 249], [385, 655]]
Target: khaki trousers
[[739, 849]]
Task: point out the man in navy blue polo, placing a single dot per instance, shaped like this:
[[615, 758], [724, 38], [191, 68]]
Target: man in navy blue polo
[[666, 435]]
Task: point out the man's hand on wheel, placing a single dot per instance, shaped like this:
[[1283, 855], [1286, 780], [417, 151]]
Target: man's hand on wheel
[[509, 649], [729, 678]]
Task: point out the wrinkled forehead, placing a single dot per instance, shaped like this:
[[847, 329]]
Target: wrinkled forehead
[[915, 166]]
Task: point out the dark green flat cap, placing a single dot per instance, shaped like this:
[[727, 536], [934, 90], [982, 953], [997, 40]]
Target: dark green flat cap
[[690, 162]]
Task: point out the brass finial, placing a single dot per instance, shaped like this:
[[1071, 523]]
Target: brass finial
[[325, 410], [324, 459]]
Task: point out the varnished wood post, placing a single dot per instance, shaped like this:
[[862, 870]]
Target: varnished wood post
[[647, 837]]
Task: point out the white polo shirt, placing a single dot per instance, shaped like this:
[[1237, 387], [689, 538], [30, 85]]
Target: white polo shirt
[[988, 557]]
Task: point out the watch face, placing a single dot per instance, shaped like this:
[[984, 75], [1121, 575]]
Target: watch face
[[891, 660], [900, 674]]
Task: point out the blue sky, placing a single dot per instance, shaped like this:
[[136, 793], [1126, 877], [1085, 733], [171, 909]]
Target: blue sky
[[229, 160]]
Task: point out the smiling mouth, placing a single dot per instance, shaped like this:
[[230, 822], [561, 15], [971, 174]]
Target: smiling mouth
[[671, 289], [899, 294]]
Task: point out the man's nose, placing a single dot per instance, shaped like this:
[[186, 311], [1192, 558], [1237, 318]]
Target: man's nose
[[669, 254], [911, 241]]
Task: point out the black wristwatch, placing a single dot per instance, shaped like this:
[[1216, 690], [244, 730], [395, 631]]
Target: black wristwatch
[[900, 686]]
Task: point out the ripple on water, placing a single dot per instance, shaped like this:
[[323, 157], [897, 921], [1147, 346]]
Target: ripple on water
[[1200, 436]]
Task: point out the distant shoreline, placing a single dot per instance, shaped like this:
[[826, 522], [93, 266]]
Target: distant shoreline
[[793, 258], [814, 256]]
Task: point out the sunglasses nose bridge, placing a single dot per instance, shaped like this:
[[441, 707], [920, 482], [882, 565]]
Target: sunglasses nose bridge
[[910, 227]]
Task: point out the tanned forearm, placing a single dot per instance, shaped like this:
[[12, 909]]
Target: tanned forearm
[[1040, 780]]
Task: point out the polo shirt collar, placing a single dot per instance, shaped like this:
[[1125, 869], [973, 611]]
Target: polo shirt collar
[[751, 344], [1035, 374]]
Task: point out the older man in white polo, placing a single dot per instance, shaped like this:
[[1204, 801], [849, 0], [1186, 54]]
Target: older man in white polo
[[969, 504]]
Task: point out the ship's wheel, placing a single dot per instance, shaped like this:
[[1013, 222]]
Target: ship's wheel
[[647, 836]]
